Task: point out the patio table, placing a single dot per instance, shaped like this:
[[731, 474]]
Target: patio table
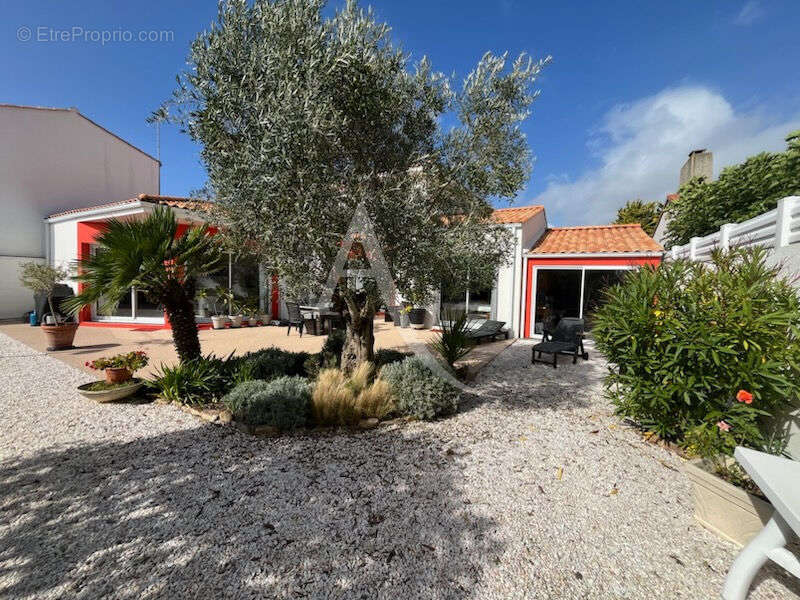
[[321, 316]]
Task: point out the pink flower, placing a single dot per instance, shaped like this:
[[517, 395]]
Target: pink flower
[[723, 426], [744, 396]]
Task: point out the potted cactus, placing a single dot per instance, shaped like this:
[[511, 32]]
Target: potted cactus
[[41, 278]]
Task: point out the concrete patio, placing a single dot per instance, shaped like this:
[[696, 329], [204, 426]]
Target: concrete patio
[[92, 342]]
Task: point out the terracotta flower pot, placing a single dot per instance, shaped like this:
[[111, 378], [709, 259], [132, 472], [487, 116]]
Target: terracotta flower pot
[[60, 337], [118, 375]]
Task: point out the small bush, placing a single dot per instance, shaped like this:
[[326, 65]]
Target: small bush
[[197, 381], [267, 364], [281, 403], [418, 391], [337, 400], [453, 343], [333, 401], [376, 400], [387, 356], [334, 344], [685, 338]]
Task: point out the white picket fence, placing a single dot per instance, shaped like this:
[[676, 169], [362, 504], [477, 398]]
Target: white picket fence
[[774, 229]]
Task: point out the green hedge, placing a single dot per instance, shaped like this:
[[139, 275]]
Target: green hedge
[[683, 338]]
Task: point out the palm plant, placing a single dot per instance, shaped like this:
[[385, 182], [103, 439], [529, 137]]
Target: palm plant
[[149, 256]]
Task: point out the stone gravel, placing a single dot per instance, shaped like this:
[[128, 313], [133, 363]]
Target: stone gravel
[[534, 490]]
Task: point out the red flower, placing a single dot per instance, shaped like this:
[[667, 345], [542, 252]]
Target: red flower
[[723, 426], [744, 396]]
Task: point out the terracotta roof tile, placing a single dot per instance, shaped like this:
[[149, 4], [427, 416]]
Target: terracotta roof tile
[[171, 201], [516, 214], [599, 239]]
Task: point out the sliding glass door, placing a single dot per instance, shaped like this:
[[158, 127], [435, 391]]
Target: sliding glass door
[[570, 292]]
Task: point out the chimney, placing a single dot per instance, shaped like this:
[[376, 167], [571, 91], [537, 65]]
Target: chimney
[[699, 164]]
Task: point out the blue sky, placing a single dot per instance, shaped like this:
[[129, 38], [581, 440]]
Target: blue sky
[[633, 86]]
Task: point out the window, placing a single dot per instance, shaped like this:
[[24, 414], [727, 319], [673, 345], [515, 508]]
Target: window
[[576, 292], [476, 301]]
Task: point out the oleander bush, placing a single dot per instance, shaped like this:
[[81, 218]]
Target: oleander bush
[[341, 400], [700, 354], [283, 403], [418, 391]]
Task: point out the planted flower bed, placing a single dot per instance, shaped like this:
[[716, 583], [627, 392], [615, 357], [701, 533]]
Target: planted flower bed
[[274, 390]]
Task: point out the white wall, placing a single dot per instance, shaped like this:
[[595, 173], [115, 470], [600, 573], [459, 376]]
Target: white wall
[[53, 160], [12, 294], [510, 284]]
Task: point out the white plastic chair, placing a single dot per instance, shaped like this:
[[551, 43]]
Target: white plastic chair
[[779, 479]]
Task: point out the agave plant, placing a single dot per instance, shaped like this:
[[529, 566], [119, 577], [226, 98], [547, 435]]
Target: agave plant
[[150, 256]]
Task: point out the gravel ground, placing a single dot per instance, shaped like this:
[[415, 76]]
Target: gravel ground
[[534, 490]]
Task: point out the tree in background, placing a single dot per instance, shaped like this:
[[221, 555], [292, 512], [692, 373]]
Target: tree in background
[[645, 214], [302, 118], [741, 192]]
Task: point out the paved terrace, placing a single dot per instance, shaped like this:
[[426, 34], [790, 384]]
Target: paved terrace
[[93, 342]]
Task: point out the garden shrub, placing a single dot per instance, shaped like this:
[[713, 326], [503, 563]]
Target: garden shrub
[[387, 356], [196, 381], [339, 400], [282, 403], [684, 338], [418, 391], [268, 364]]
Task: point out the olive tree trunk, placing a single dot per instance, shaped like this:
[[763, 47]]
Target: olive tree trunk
[[359, 341]]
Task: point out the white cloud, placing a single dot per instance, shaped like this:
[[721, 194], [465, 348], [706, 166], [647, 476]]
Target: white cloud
[[751, 12], [641, 146]]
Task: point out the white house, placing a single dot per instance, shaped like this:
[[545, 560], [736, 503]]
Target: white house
[[53, 159], [553, 271]]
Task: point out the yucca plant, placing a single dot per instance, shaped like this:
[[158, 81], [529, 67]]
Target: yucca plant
[[149, 256], [453, 342]]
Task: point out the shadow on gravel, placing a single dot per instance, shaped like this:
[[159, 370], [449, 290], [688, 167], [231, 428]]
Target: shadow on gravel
[[210, 513]]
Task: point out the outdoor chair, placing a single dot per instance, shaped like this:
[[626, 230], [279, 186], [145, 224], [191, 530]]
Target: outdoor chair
[[779, 479], [566, 338], [488, 330], [296, 318]]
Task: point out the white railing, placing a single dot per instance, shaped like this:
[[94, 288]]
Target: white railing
[[774, 229]]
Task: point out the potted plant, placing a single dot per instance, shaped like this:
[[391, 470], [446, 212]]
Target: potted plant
[[119, 382], [236, 315], [414, 309], [42, 279], [222, 297], [252, 315], [200, 297], [726, 500]]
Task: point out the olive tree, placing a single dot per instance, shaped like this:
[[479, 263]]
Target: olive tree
[[301, 118]]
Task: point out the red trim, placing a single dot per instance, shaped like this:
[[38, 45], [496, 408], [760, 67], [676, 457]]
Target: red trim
[[137, 326], [275, 298], [576, 262], [87, 232]]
